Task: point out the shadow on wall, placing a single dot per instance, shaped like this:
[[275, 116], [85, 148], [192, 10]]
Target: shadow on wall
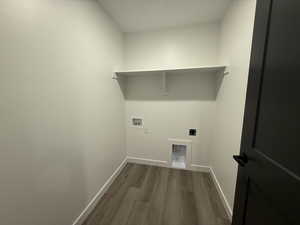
[[184, 87], [219, 80]]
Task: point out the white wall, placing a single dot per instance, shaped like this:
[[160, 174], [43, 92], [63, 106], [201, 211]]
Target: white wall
[[190, 102], [62, 116], [177, 47], [236, 39]]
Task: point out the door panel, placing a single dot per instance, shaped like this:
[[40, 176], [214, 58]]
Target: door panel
[[268, 186], [261, 210], [277, 128], [280, 187]]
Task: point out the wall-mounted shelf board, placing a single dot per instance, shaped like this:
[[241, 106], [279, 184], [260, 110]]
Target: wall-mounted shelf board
[[202, 69], [214, 69]]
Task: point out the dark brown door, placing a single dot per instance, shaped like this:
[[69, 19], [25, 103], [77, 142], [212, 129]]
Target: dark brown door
[[268, 186]]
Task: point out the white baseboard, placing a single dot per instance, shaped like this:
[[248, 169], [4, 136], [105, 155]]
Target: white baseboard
[[92, 204], [221, 194], [200, 168], [153, 162], [144, 161]]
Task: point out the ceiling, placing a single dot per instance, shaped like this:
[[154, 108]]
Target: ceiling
[[140, 15]]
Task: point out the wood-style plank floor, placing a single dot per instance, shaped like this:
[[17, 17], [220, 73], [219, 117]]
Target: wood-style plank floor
[[148, 195]]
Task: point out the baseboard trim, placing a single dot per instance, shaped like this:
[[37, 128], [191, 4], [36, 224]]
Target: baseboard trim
[[151, 162], [92, 204], [221, 194], [200, 168]]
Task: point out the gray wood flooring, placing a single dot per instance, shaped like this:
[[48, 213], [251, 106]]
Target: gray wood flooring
[[148, 195]]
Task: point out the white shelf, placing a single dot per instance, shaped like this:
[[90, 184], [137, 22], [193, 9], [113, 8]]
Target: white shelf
[[212, 68]]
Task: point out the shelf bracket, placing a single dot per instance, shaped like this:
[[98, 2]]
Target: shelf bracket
[[226, 71], [115, 76]]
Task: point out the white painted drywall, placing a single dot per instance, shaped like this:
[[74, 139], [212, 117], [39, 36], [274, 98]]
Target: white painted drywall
[[190, 102], [62, 116], [236, 40], [177, 47], [145, 15]]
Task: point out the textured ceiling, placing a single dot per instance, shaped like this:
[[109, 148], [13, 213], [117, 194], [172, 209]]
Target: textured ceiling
[[139, 15]]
